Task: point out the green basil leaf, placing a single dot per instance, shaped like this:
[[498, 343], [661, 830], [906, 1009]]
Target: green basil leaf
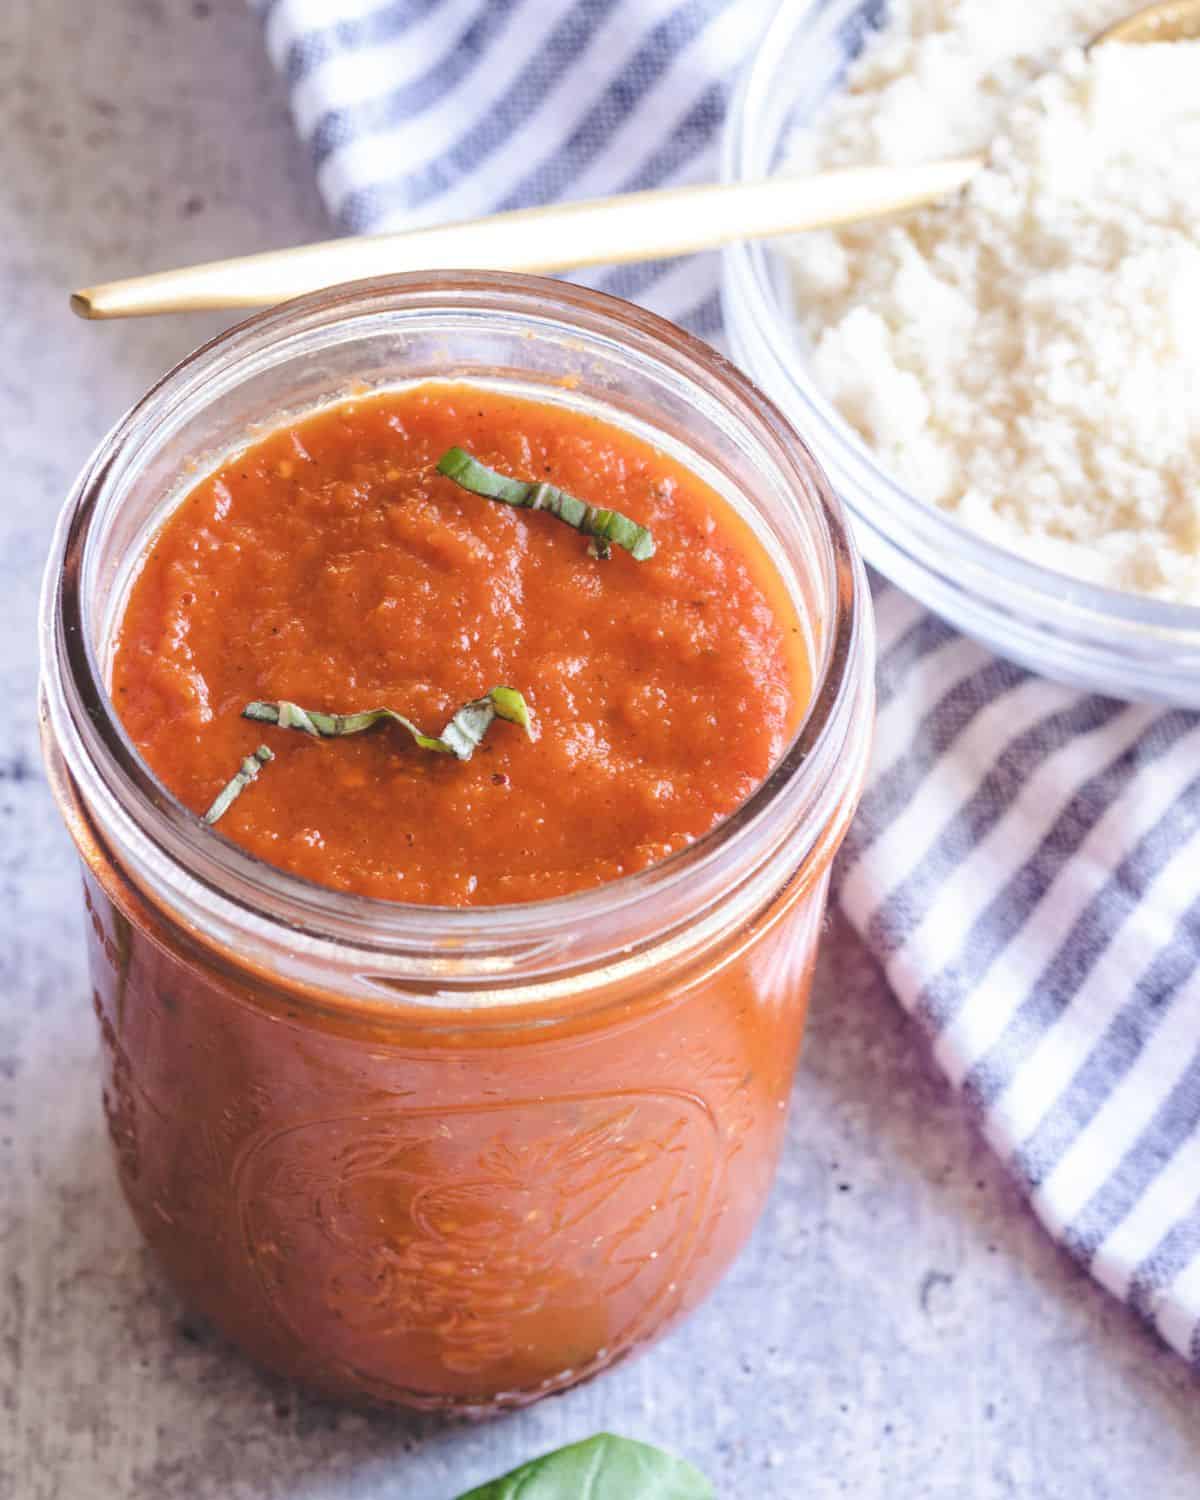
[[232, 790], [461, 737], [600, 1468], [605, 527]]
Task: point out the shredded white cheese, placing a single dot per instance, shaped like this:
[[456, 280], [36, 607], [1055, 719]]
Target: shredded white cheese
[[1027, 356]]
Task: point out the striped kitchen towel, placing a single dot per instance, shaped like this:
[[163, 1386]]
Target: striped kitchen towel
[[1024, 866], [1025, 861]]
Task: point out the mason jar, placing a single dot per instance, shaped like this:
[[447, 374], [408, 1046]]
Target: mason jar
[[451, 1159]]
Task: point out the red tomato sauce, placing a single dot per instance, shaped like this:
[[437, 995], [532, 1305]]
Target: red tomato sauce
[[329, 564]]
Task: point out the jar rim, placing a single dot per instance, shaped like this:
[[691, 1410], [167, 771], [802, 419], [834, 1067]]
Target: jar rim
[[105, 767]]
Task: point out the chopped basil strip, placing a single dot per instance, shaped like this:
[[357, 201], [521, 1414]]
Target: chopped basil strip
[[460, 738], [229, 794], [607, 527]]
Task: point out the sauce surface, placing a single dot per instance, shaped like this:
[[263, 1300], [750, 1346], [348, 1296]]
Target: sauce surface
[[330, 565]]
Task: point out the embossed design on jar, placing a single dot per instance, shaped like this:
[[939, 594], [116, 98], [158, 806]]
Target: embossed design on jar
[[484, 1236], [240, 1118], [117, 948], [117, 1097], [725, 1082]]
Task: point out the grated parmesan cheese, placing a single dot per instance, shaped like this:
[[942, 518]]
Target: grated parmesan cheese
[[1028, 356]]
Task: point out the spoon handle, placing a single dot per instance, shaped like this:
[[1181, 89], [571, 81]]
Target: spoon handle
[[600, 231]]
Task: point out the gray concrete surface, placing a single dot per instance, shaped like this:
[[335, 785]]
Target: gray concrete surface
[[900, 1327]]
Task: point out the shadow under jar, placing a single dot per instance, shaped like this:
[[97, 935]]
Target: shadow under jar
[[452, 1159]]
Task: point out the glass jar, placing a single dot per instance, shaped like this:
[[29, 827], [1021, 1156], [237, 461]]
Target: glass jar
[[448, 1158]]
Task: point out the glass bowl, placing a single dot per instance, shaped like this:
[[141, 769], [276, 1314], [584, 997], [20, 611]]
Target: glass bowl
[[1119, 644]]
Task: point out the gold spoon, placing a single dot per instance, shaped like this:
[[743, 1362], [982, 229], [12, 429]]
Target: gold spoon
[[601, 231]]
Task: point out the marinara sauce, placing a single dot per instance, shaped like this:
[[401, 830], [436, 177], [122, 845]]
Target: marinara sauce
[[332, 566], [491, 1094]]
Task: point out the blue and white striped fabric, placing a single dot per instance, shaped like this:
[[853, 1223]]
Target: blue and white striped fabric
[[1024, 866], [425, 111], [1025, 862]]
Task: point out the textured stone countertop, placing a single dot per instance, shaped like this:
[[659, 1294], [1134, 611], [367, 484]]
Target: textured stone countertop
[[899, 1326]]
